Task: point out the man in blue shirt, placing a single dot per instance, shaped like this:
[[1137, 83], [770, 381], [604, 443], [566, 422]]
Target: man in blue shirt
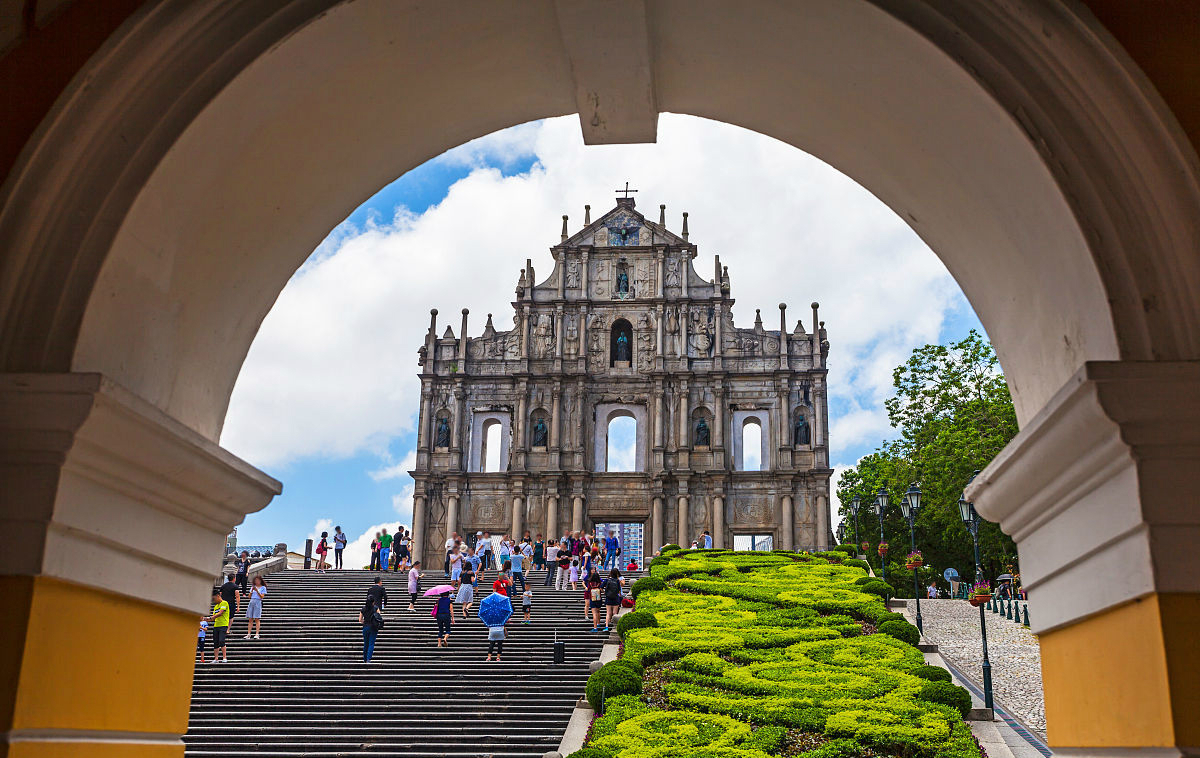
[[707, 540], [612, 549]]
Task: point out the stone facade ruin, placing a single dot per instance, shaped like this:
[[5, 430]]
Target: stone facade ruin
[[624, 326]]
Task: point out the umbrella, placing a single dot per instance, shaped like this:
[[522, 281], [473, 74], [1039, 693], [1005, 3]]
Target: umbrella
[[441, 589], [495, 609], [1004, 577]]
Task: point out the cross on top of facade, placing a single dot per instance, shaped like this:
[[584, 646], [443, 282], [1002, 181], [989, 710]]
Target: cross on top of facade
[[626, 191]]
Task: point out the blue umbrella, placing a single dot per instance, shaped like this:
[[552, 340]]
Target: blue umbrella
[[495, 609]]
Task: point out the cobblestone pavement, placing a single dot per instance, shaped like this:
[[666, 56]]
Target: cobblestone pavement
[[1013, 650]]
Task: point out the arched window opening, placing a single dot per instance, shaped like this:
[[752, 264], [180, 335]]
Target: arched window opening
[[490, 454], [621, 344], [751, 445], [622, 444]]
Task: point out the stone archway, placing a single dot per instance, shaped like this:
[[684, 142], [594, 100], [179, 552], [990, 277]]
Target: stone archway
[[202, 153]]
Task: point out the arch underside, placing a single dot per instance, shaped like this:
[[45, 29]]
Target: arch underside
[[214, 208]]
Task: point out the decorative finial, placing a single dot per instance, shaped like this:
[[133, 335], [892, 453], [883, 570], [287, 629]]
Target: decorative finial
[[564, 231], [587, 215], [465, 311], [662, 215], [685, 229]]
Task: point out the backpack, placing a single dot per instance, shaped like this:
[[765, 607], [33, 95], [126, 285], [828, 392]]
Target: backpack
[[612, 592]]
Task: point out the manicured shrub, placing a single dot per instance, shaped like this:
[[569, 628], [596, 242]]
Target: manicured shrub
[[635, 620], [857, 563], [876, 587], [851, 549], [901, 630], [947, 694], [933, 674], [864, 579], [668, 548], [615, 678], [646, 583]]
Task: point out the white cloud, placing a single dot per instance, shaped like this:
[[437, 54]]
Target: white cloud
[[398, 470], [333, 370], [322, 525]]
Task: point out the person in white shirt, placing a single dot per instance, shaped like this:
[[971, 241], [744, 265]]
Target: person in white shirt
[[451, 541], [551, 563], [339, 544]]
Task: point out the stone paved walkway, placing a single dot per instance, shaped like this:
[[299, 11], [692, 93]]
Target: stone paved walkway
[[1013, 650]]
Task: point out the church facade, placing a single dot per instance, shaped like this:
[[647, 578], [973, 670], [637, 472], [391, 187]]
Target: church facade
[[625, 327]]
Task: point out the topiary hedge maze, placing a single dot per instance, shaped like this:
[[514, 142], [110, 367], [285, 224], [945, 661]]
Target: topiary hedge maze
[[765, 654]]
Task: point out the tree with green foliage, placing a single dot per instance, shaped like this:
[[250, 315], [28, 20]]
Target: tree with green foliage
[[954, 413]]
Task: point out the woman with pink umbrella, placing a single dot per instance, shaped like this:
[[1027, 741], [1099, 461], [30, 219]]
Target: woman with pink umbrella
[[443, 612]]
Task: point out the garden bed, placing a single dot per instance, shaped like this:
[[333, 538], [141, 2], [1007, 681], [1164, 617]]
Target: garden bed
[[752, 655]]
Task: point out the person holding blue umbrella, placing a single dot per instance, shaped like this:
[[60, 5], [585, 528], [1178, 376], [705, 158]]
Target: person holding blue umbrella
[[495, 611]]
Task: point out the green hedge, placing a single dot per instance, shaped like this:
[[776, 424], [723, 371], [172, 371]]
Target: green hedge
[[876, 587], [933, 674], [857, 563], [947, 694], [851, 549], [646, 583], [765, 642]]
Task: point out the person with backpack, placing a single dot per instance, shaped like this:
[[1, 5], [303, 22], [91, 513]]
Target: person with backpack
[[243, 571], [377, 593], [372, 622], [563, 559], [466, 590], [593, 599], [612, 597], [322, 551], [230, 595], [339, 544]]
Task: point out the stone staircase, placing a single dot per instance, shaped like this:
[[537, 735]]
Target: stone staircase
[[303, 690]]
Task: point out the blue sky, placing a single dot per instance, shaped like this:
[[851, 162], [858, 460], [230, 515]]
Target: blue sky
[[327, 397]]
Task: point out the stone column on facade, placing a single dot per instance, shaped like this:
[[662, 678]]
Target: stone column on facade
[[659, 348], [562, 274], [685, 314], [656, 524], [659, 418], [822, 507], [520, 419], [681, 521], [518, 507], [783, 337], [424, 418], [789, 523], [555, 416], [820, 423], [456, 427], [558, 332], [462, 341], [718, 521], [582, 421], [719, 331], [418, 525], [685, 265], [524, 326], [431, 343], [451, 515], [684, 416], [718, 430], [583, 277], [577, 513], [552, 517]]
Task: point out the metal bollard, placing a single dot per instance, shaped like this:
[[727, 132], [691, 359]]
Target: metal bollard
[[1027, 614], [1010, 609]]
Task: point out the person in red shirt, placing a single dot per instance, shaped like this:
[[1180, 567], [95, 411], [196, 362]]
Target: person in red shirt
[[632, 565]]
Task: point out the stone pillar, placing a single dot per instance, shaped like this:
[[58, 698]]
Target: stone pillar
[[685, 437], [684, 317], [525, 330], [558, 331], [462, 342], [582, 423], [552, 517], [659, 418], [111, 509], [719, 416], [783, 337], [719, 330], [822, 508], [451, 515], [789, 523], [657, 538], [518, 508], [659, 348], [520, 419], [1099, 491], [681, 522], [424, 417], [577, 513], [456, 423], [718, 521], [555, 417], [583, 277], [418, 526], [658, 290], [685, 270]]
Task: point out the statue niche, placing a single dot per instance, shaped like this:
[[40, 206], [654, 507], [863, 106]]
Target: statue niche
[[621, 344], [802, 434], [539, 432], [622, 281], [702, 433], [441, 437]]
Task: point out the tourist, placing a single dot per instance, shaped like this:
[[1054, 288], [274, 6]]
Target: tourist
[[385, 549], [632, 565], [401, 545], [695, 545], [230, 594], [931, 591], [526, 553], [243, 571], [466, 589], [456, 563], [707, 538], [339, 544], [451, 541], [574, 573], [539, 552], [258, 590], [518, 570], [220, 621], [550, 562], [414, 584], [612, 550], [527, 604], [443, 614], [564, 565], [372, 621], [612, 597], [322, 551], [495, 641], [593, 599], [200, 639], [375, 545], [505, 550], [377, 593]]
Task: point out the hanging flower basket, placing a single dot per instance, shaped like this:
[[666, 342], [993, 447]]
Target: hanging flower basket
[[866, 547], [914, 560], [882, 549], [981, 592]]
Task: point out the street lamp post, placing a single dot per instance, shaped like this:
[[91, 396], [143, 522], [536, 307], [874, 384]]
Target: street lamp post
[[970, 519], [841, 533], [881, 504], [855, 504], [909, 505]]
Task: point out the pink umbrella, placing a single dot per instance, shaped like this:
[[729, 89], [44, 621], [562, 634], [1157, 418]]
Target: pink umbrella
[[441, 589]]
